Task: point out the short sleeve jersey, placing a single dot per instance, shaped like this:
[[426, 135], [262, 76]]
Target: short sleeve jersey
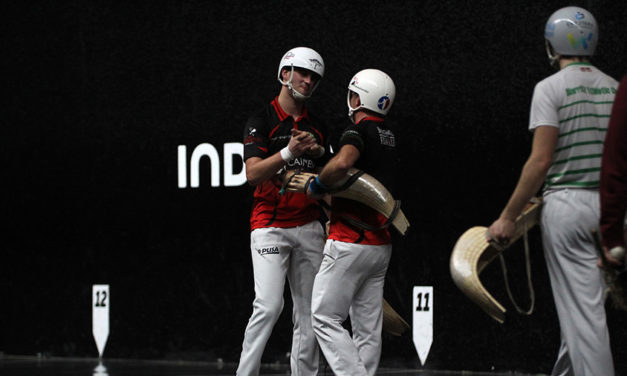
[[577, 100], [377, 147], [267, 132]]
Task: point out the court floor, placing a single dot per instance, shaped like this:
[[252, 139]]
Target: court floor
[[40, 366]]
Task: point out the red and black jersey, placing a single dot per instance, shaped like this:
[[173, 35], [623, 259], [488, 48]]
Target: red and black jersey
[[267, 132], [377, 148]]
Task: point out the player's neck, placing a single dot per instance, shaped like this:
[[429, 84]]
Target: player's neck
[[564, 62], [290, 105], [360, 115]]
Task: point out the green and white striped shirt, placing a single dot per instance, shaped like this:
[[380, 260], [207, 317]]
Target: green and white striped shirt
[[578, 100]]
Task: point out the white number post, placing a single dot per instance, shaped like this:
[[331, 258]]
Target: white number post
[[423, 320], [100, 316]]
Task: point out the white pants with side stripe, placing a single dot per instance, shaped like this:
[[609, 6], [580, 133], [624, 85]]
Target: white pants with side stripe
[[278, 253], [568, 216], [350, 281]]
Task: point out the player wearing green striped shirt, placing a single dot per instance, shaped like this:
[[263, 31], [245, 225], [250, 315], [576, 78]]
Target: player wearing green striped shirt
[[569, 115]]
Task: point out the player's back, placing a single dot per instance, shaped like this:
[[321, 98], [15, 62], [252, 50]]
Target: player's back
[[583, 98]]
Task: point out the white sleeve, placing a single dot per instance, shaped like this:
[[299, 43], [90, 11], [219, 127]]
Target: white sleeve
[[543, 112]]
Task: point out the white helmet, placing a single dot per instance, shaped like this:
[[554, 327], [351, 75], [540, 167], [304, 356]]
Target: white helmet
[[571, 31], [376, 91], [301, 57]]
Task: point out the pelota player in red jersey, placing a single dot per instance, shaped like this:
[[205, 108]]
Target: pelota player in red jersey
[[287, 233]]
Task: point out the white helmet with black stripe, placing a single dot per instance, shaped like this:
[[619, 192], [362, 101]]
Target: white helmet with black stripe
[[305, 58]]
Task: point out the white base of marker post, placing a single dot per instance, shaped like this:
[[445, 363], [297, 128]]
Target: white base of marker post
[[100, 370], [100, 316], [422, 325]]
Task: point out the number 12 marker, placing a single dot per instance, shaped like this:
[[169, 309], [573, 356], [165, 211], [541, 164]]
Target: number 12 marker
[[100, 316]]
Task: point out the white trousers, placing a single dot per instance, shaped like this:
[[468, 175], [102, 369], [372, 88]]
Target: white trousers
[[568, 216], [350, 281], [277, 253]]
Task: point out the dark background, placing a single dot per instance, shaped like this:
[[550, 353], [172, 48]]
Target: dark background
[[99, 95]]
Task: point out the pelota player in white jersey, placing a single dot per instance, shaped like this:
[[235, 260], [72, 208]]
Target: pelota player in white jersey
[[569, 115]]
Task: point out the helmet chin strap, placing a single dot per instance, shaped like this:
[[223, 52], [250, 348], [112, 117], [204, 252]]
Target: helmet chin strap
[[351, 113], [351, 110], [553, 58], [295, 94]]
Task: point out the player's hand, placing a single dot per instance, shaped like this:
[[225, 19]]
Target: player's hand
[[316, 151], [501, 231], [301, 142], [611, 260], [298, 182]]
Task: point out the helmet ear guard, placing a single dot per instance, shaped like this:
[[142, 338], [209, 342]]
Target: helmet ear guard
[[305, 58], [376, 91]]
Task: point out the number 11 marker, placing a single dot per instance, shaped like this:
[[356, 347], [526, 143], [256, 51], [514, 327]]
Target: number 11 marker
[[423, 320]]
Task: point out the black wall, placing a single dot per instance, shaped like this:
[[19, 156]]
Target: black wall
[[101, 94]]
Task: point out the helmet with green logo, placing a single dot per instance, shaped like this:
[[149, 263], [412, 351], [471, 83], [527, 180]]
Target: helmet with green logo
[[571, 31]]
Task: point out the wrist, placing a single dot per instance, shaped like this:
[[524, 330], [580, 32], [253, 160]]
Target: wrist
[[286, 154], [317, 187], [507, 215]]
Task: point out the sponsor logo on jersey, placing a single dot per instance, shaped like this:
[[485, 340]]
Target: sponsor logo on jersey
[[387, 137], [384, 102], [302, 163], [279, 138], [268, 251], [251, 138]]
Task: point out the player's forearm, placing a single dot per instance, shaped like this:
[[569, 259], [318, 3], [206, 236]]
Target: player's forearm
[[337, 168], [530, 182], [334, 171], [259, 170]]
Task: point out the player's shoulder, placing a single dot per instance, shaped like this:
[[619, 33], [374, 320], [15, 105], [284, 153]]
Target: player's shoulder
[[611, 80], [552, 80], [555, 83], [350, 129]]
